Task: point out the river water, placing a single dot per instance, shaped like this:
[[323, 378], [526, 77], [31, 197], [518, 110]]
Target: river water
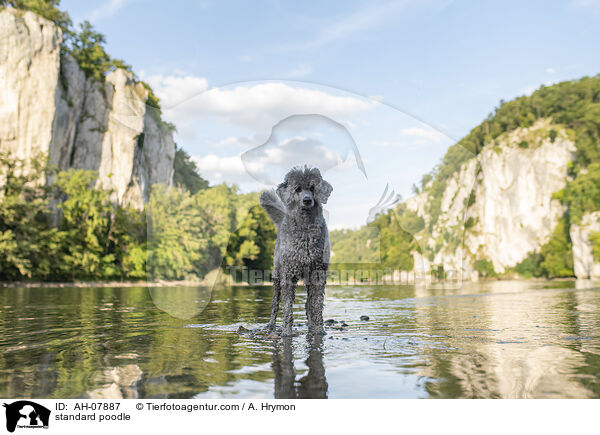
[[503, 339]]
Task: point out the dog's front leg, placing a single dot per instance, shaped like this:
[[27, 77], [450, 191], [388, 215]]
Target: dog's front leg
[[275, 305], [288, 293]]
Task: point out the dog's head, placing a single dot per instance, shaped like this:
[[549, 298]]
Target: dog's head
[[303, 189]]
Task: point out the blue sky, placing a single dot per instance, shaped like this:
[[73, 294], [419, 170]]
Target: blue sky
[[406, 78]]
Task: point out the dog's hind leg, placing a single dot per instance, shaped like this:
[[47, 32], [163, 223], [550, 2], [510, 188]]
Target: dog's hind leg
[[315, 294], [275, 305], [288, 290]]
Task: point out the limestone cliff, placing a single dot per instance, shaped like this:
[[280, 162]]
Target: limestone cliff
[[499, 206], [48, 105]]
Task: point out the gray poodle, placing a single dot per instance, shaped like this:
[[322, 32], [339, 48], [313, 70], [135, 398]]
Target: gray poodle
[[302, 247]]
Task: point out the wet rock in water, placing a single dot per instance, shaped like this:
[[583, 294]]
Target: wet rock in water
[[243, 331], [330, 322], [342, 327], [364, 318]]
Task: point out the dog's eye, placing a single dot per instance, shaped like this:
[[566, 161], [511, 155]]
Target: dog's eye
[[312, 188], [298, 189]]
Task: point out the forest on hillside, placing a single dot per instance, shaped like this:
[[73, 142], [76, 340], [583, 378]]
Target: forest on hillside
[[70, 230]]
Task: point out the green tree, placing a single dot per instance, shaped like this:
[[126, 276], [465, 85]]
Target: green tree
[[88, 49], [85, 228], [485, 268], [396, 231], [186, 174], [26, 238], [127, 239], [253, 243], [558, 253], [582, 194], [91, 238], [44, 8], [220, 205], [179, 233], [531, 266], [595, 239]]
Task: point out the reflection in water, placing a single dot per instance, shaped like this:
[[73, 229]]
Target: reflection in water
[[119, 383], [181, 302], [313, 385], [506, 349], [499, 339]]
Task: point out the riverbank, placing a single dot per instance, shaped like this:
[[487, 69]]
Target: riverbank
[[187, 283], [28, 284]]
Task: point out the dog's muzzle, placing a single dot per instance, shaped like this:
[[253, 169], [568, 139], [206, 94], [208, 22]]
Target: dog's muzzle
[[307, 201]]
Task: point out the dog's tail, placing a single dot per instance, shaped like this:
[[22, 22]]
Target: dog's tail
[[275, 208]]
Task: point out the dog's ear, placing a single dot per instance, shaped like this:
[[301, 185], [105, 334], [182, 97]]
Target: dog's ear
[[323, 191], [282, 192]]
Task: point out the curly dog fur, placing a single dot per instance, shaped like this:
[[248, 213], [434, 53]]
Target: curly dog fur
[[302, 246]]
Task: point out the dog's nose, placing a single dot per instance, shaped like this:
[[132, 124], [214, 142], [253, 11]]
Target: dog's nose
[[307, 200]]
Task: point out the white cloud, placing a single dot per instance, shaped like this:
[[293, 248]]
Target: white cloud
[[295, 149], [185, 99], [270, 167], [550, 70], [302, 140], [218, 169], [423, 135], [174, 89], [188, 102]]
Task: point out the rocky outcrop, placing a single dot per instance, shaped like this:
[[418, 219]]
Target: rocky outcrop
[[48, 105], [29, 74], [512, 212], [583, 259]]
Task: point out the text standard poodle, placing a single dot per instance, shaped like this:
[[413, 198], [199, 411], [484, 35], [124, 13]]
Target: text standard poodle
[[302, 247]]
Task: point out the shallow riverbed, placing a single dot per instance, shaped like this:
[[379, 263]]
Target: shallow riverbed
[[486, 340]]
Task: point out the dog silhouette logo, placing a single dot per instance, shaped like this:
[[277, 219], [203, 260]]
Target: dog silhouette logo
[[26, 414]]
